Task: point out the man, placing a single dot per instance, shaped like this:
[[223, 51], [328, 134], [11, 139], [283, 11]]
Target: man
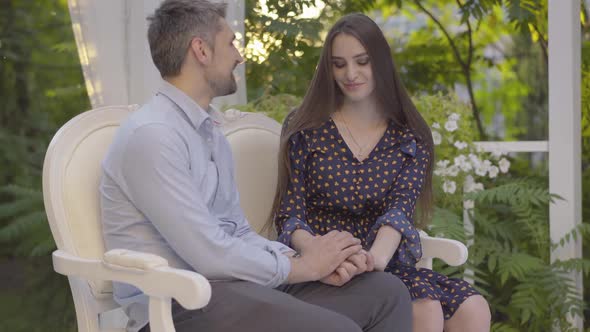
[[168, 189]]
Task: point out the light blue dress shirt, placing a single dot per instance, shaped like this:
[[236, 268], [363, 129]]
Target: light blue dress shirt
[[168, 188]]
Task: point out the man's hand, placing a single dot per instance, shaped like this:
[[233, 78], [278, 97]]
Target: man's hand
[[354, 265], [324, 254], [341, 276]]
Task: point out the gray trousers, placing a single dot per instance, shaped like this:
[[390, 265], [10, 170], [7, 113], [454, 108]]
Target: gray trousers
[[374, 301]]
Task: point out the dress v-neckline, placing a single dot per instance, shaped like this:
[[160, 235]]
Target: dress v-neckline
[[339, 137]]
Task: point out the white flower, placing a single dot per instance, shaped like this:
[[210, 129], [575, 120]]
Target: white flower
[[441, 167], [453, 170], [504, 165], [449, 187], [474, 160], [463, 163], [436, 125], [460, 145], [468, 204], [451, 126], [493, 171], [469, 184], [460, 159], [483, 168], [436, 137], [454, 117], [478, 186], [480, 170]]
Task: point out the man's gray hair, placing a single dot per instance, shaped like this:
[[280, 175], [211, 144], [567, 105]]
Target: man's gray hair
[[174, 24]]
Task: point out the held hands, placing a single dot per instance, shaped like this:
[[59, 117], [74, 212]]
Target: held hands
[[354, 265], [322, 255]]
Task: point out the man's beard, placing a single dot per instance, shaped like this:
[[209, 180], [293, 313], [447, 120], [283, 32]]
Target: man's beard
[[223, 86]]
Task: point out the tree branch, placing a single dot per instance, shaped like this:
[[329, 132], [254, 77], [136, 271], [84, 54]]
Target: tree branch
[[465, 65], [467, 72], [443, 30], [543, 44]]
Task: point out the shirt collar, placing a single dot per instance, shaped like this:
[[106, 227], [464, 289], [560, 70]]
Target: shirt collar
[[195, 113]]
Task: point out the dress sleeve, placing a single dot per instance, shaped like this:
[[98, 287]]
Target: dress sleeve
[[292, 211], [400, 203]]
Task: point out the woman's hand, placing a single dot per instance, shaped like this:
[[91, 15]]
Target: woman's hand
[[354, 265], [385, 245], [343, 274], [380, 261]]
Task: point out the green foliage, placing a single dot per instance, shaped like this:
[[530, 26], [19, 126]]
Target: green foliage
[[291, 48], [585, 126], [511, 253], [41, 87], [521, 13], [24, 227], [46, 305], [27, 228], [274, 106], [460, 167]]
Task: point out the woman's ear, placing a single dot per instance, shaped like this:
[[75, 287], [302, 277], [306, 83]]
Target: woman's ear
[[201, 50]]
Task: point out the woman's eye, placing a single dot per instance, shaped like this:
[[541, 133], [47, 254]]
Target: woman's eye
[[338, 64], [363, 62]]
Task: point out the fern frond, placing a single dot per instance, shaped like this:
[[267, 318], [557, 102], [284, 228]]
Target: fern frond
[[38, 233], [18, 191], [13, 208], [514, 193], [495, 226], [21, 225], [503, 327], [517, 266], [543, 298], [583, 230], [446, 223], [574, 264], [43, 248]]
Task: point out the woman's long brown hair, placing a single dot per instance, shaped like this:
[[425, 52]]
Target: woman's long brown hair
[[324, 97]]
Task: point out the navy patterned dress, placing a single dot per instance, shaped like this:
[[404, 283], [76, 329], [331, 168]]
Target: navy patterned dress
[[330, 189]]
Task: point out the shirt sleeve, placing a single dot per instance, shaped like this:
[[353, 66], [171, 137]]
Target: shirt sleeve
[[158, 180], [401, 202], [256, 239], [291, 214]]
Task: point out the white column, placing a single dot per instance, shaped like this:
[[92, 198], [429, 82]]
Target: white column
[[564, 129], [235, 18], [111, 36]]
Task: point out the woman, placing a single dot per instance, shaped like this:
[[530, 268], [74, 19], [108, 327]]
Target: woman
[[356, 156]]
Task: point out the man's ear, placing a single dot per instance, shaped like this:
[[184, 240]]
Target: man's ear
[[201, 50]]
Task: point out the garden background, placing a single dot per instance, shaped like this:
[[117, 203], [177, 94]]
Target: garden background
[[477, 71]]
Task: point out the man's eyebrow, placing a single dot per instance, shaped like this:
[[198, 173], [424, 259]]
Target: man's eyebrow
[[354, 56]]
